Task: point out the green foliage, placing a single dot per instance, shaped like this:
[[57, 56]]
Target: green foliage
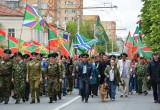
[[151, 24]]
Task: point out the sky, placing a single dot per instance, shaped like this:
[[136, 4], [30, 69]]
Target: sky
[[125, 16]]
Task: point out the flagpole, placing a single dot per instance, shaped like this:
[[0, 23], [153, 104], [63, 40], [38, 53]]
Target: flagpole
[[78, 29]]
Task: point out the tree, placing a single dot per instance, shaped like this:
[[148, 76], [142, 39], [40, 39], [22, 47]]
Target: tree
[[151, 24]]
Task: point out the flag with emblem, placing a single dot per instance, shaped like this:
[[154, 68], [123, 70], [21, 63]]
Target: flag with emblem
[[52, 38], [33, 19], [19, 45], [2, 35], [83, 43], [62, 45], [37, 47], [100, 32]]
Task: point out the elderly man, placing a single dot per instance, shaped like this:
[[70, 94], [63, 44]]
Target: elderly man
[[124, 69]]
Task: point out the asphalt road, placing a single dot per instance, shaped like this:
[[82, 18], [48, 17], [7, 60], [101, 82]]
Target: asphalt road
[[73, 102]]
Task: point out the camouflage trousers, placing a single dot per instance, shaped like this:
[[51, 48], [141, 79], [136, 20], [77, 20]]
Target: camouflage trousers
[[142, 84], [19, 87], [35, 88], [5, 88], [70, 83], [52, 88]]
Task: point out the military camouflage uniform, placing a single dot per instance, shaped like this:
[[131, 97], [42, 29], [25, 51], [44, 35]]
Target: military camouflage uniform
[[34, 74], [70, 79], [141, 73], [53, 74], [5, 79], [62, 72], [19, 75]]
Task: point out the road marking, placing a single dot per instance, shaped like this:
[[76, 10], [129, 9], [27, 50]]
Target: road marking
[[68, 103]]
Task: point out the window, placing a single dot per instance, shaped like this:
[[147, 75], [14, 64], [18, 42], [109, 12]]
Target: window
[[44, 5], [73, 18], [12, 4], [11, 32], [23, 5], [66, 18], [34, 5], [70, 3], [69, 11]]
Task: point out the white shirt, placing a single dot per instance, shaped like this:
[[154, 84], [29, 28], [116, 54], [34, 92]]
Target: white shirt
[[84, 69], [111, 75]]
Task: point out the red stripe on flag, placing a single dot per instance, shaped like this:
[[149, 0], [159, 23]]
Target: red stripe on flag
[[2, 33]]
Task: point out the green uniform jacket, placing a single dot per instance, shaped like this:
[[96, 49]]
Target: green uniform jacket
[[34, 70], [19, 70], [117, 79], [6, 68]]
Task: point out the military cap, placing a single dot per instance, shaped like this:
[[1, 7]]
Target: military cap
[[18, 54], [155, 53], [85, 55], [40, 54], [119, 57], [63, 56], [112, 57], [80, 56], [101, 53], [93, 57], [53, 55], [26, 56], [12, 57], [34, 53], [7, 51], [124, 54]]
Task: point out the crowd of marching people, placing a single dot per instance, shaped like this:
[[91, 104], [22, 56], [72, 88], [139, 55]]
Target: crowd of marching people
[[30, 77]]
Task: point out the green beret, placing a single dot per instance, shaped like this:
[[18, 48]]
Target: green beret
[[63, 56], [40, 54], [54, 55], [12, 57], [26, 56], [7, 51], [85, 55], [119, 57], [112, 57], [124, 54], [101, 53], [34, 53], [18, 54]]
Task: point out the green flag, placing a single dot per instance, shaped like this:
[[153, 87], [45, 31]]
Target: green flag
[[100, 32]]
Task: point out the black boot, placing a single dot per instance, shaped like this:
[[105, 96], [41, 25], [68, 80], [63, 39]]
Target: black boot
[[5, 102], [51, 101], [38, 100], [17, 102], [55, 98], [23, 99], [32, 102]]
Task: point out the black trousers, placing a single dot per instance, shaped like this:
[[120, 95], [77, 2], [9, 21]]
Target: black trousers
[[84, 88], [156, 91], [27, 91], [94, 89], [101, 80]]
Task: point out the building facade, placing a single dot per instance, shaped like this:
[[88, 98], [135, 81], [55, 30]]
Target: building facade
[[57, 12], [11, 22], [110, 28]]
